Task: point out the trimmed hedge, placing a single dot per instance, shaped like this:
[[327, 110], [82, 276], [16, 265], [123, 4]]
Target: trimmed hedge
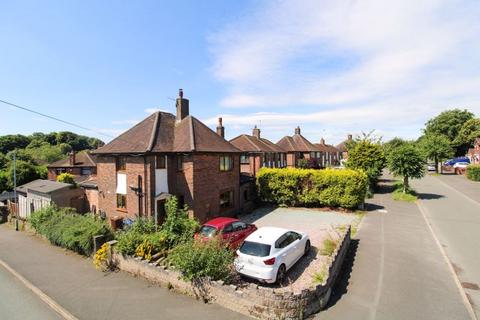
[[313, 188], [65, 228], [473, 172]]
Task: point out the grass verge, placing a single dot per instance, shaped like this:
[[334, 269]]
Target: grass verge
[[399, 195]]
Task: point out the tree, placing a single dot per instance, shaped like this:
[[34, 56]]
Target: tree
[[367, 155], [3, 161], [406, 161], [12, 142], [394, 143], [26, 172], [66, 178], [4, 184], [468, 133], [436, 148], [449, 123]]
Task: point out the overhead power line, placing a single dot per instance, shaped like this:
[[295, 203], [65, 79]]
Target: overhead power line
[[55, 118]]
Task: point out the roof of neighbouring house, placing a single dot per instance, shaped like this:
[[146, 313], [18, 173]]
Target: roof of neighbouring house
[[342, 146], [327, 147], [43, 186], [82, 159], [161, 132], [250, 143], [297, 143], [89, 183], [7, 195]]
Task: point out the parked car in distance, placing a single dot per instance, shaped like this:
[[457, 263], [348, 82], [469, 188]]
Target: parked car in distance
[[431, 166], [451, 162], [268, 253], [231, 230]]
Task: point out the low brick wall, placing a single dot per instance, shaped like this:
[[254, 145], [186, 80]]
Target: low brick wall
[[249, 299]]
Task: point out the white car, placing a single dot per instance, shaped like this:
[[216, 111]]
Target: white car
[[431, 166], [268, 253]]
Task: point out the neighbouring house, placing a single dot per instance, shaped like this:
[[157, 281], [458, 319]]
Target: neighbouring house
[[258, 152], [167, 155], [6, 197], [298, 148], [329, 155], [342, 147], [82, 165], [40, 193], [474, 153]]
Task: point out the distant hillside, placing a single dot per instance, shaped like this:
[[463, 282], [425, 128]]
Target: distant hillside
[[37, 150]]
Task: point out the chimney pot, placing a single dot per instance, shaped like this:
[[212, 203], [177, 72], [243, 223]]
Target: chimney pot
[[220, 128], [256, 132], [297, 130], [349, 137], [71, 157], [182, 106], [322, 141]]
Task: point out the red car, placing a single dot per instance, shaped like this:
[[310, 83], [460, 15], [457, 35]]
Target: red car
[[231, 230]]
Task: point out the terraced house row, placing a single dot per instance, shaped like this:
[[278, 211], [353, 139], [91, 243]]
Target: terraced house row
[[177, 155]]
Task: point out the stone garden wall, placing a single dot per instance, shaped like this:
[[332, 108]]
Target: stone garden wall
[[250, 299]]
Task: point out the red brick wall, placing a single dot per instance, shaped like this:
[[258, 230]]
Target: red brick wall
[[291, 159], [91, 196], [252, 167], [210, 182]]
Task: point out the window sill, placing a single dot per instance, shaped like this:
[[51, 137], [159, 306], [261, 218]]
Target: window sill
[[122, 210]]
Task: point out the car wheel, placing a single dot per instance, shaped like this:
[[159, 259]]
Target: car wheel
[[282, 270], [308, 246]]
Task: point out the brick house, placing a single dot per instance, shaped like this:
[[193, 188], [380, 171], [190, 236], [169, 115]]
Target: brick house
[[166, 155], [298, 147], [258, 152], [474, 153], [342, 147], [81, 165], [329, 155]]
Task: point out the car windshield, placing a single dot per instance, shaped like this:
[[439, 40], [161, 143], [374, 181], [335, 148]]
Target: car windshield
[[255, 249], [208, 231]]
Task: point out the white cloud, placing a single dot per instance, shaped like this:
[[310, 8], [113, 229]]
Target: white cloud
[[369, 61]]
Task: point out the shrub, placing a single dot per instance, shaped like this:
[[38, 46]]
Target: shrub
[[473, 172], [198, 259], [143, 238], [66, 178], [319, 277], [65, 228], [307, 187]]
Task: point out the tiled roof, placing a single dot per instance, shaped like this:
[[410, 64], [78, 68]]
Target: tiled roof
[[160, 132], [342, 146], [326, 147], [82, 159], [297, 143], [249, 143]]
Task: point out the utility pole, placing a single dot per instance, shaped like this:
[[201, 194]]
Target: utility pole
[[15, 187]]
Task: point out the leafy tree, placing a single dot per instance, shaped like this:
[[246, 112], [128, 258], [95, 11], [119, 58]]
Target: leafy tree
[[367, 155], [468, 133], [408, 162], [4, 184], [26, 172], [12, 142], [436, 148], [394, 143], [66, 178], [449, 123], [3, 161], [22, 154], [46, 153]]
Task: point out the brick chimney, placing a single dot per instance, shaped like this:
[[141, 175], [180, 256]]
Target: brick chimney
[[220, 128], [297, 130], [182, 106], [256, 132], [349, 137], [322, 141], [71, 158]]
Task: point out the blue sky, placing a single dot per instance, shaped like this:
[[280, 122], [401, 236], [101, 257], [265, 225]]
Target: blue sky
[[332, 67]]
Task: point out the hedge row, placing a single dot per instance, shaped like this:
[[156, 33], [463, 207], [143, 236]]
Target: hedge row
[[65, 228], [313, 188], [473, 172]]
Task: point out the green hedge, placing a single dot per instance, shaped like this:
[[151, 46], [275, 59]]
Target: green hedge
[[473, 172], [65, 228], [313, 188]]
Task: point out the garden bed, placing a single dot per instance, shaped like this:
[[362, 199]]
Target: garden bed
[[250, 298]]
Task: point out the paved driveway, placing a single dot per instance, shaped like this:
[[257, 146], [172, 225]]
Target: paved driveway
[[455, 218], [314, 222]]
